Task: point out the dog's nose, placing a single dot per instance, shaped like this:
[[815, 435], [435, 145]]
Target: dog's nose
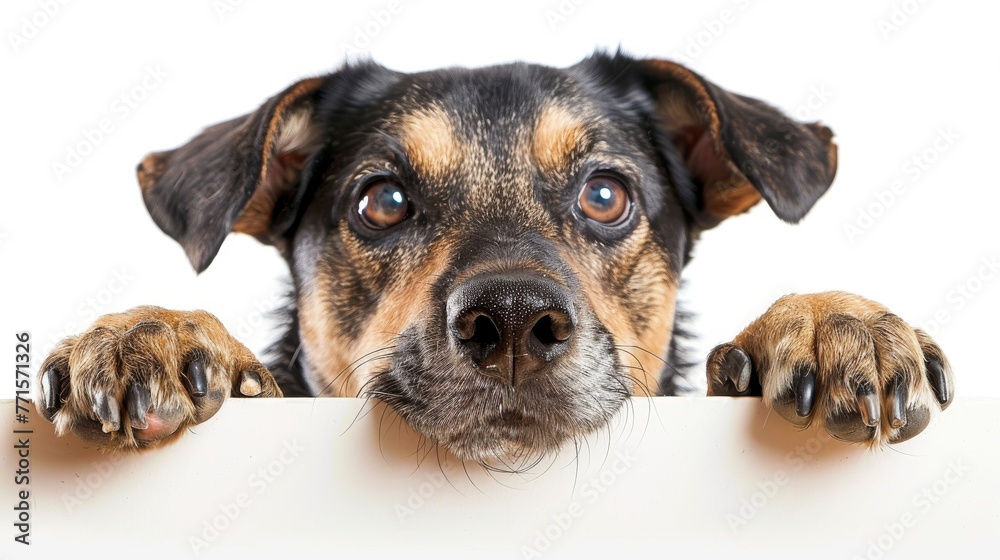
[[511, 325]]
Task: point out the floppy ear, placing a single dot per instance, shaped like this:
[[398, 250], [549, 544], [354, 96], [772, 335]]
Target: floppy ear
[[239, 175], [738, 149]]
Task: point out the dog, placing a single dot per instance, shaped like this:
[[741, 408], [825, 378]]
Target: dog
[[495, 255]]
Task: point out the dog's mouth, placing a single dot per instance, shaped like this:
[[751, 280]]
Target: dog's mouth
[[477, 415]]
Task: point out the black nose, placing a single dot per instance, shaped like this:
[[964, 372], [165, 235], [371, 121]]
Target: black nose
[[511, 325]]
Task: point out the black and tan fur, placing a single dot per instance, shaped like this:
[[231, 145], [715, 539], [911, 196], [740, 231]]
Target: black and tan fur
[[492, 161]]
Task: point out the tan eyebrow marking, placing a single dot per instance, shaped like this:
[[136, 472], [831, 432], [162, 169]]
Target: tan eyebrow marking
[[558, 133], [430, 142]]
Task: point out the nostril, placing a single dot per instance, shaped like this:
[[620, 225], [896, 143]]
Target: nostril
[[486, 332], [542, 331], [477, 329], [549, 330]]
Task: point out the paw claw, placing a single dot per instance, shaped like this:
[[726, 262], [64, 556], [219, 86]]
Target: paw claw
[[197, 378], [50, 389], [897, 407], [736, 368], [804, 391], [250, 384], [138, 406], [868, 405], [108, 412], [939, 381]]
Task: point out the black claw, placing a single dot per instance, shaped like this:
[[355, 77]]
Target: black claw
[[939, 381], [737, 368], [50, 388], [197, 378], [138, 405], [868, 405], [897, 405], [805, 388], [108, 412]]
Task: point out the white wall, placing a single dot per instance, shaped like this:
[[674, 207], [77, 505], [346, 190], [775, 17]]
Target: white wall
[[887, 94], [337, 477]]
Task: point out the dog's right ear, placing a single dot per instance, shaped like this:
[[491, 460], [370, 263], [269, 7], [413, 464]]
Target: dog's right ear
[[234, 176]]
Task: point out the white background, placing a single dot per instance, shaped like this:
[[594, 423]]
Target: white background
[[886, 93]]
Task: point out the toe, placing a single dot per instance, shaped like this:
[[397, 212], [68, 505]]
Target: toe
[[918, 417], [848, 425]]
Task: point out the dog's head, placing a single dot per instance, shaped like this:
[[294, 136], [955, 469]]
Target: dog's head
[[494, 252]]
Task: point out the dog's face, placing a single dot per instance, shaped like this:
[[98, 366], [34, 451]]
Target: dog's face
[[494, 253], [475, 241]]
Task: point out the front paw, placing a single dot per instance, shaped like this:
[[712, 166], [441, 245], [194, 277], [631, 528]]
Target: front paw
[[138, 378], [839, 359]]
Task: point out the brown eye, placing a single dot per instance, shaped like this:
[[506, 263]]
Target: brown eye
[[605, 200], [383, 205]]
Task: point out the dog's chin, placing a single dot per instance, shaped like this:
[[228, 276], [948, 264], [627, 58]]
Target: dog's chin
[[497, 442], [503, 444], [499, 428]]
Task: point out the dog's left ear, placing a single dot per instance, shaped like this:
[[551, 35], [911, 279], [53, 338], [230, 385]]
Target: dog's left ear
[[737, 149], [238, 175]]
